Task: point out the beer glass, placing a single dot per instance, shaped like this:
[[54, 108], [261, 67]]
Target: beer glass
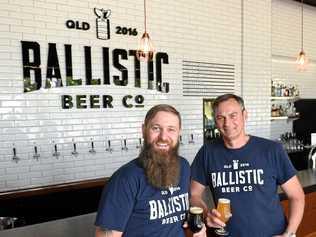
[[223, 207], [195, 219]]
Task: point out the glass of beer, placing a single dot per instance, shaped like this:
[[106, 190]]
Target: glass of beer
[[195, 219], [223, 207]]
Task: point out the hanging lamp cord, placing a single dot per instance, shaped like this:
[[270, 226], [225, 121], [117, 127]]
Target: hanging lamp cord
[[145, 16], [302, 33]]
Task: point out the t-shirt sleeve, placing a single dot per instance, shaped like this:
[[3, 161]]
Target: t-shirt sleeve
[[284, 166], [116, 203], [198, 167]]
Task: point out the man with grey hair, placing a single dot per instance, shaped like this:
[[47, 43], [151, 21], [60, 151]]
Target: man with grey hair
[[247, 170]]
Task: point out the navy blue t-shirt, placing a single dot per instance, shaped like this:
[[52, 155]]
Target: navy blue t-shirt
[[249, 177], [131, 205]]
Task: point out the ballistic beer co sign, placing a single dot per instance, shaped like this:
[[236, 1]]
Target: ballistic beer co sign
[[33, 73]]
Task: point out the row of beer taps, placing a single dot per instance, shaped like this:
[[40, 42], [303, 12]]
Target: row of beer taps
[[108, 148]]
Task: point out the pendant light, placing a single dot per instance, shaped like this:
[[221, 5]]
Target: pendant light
[[145, 51], [302, 59]]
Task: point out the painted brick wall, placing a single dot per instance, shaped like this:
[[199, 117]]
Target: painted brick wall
[[232, 32], [179, 28], [257, 65]]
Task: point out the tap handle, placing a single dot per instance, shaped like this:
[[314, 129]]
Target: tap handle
[[35, 149], [92, 150], [56, 153], [191, 138], [109, 147], [15, 158]]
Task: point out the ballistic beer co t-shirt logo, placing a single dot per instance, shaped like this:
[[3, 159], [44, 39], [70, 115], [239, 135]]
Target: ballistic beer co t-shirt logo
[[103, 23], [237, 177], [169, 210]]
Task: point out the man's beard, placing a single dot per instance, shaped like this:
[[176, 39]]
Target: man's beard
[[162, 168]]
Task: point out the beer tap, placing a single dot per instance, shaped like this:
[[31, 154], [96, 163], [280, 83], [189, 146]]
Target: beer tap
[[92, 150], [13, 220], [5, 222], [123, 145], [191, 141], [36, 155], [139, 145], [56, 153], [180, 140], [109, 148], [74, 152], [15, 158], [312, 157]]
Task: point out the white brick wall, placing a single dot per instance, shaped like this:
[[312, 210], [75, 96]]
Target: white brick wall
[[232, 32], [257, 65], [286, 44]]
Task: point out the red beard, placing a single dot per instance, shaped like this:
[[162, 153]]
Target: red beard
[[161, 167]]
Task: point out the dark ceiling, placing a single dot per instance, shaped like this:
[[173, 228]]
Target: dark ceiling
[[309, 2]]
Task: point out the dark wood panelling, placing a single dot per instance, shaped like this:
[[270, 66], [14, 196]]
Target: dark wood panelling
[[41, 204], [308, 223]]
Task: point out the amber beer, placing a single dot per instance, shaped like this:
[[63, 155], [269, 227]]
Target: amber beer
[[223, 207], [195, 219]]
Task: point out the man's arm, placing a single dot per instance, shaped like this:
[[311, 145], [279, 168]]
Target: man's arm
[[107, 233], [197, 190], [295, 194], [211, 216]]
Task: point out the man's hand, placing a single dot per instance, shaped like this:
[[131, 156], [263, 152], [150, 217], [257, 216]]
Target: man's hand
[[201, 233], [212, 219], [285, 234]]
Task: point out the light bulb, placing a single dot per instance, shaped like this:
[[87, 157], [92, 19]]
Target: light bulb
[[145, 51], [302, 61]]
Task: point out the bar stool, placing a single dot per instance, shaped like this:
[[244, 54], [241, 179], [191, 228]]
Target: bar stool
[[313, 234]]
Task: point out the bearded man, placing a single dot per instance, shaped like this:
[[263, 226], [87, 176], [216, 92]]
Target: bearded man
[[149, 196]]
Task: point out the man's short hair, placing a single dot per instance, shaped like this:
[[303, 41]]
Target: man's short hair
[[161, 107], [226, 97]]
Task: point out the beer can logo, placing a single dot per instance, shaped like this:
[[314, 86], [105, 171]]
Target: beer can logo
[[102, 23], [173, 189], [235, 164]]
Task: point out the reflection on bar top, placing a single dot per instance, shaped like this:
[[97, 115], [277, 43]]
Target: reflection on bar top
[[307, 179]]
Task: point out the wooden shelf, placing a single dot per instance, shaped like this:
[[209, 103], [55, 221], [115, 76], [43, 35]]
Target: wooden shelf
[[283, 118], [279, 118], [284, 98]]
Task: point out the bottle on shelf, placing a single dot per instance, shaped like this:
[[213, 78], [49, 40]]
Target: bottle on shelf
[[290, 142], [283, 96], [280, 89]]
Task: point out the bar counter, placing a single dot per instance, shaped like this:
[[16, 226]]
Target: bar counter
[[308, 181], [78, 226], [83, 225]]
